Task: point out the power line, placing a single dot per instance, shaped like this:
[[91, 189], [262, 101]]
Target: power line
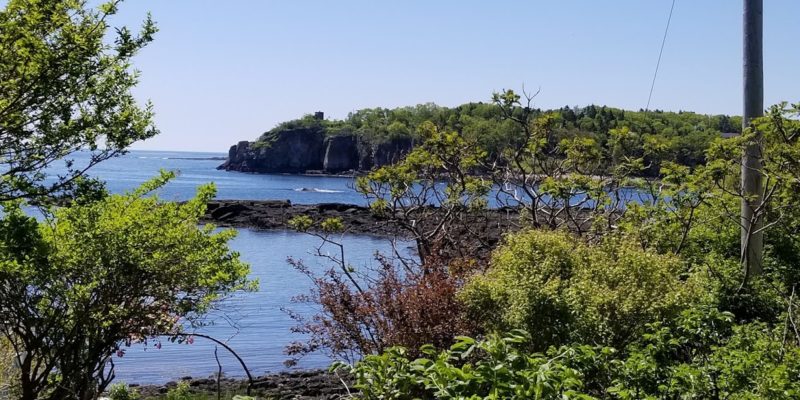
[[658, 63]]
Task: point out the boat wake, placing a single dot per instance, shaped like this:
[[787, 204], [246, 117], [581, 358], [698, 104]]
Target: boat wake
[[317, 190]]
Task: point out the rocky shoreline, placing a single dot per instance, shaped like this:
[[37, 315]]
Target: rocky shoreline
[[275, 214], [303, 385], [487, 226]]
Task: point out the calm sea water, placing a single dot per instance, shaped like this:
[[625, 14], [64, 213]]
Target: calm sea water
[[253, 324], [127, 172]]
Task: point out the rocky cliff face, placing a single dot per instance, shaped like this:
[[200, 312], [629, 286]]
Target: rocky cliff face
[[391, 151], [341, 154], [294, 150], [305, 150]]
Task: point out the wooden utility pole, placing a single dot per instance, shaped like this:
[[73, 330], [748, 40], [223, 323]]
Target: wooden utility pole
[[752, 240]]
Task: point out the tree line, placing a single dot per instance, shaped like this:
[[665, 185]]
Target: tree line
[[682, 137]]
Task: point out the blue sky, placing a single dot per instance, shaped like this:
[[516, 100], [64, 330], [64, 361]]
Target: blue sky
[[223, 71]]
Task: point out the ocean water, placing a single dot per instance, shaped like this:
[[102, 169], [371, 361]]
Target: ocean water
[[253, 324], [193, 168]]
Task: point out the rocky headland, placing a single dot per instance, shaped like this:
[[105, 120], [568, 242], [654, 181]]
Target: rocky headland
[[312, 150]]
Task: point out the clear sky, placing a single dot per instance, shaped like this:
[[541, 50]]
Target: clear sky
[[223, 71]]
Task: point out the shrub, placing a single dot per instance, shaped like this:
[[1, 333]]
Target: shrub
[[495, 368], [561, 289], [705, 355], [760, 300], [525, 287], [121, 391], [180, 392], [702, 354], [392, 308], [617, 288]]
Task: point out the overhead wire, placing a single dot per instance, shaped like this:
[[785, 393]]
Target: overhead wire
[[660, 53]]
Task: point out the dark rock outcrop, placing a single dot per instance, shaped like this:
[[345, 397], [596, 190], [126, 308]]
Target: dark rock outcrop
[[238, 155], [365, 155], [485, 228], [302, 150], [293, 150]]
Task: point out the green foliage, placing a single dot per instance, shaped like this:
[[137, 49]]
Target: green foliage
[[301, 223], [645, 274], [97, 276], [495, 368], [431, 189], [308, 122], [647, 278], [332, 225], [762, 299], [657, 136], [121, 391], [705, 355], [304, 223], [379, 125], [562, 290], [65, 86], [180, 392], [702, 355], [695, 213]]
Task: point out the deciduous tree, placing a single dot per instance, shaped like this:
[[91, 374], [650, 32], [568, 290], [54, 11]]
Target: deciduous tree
[[99, 275], [65, 86]]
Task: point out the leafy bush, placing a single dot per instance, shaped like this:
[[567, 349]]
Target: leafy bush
[[702, 354], [121, 391], [524, 287], [561, 289], [760, 300], [495, 368], [706, 355], [394, 308], [180, 392]]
